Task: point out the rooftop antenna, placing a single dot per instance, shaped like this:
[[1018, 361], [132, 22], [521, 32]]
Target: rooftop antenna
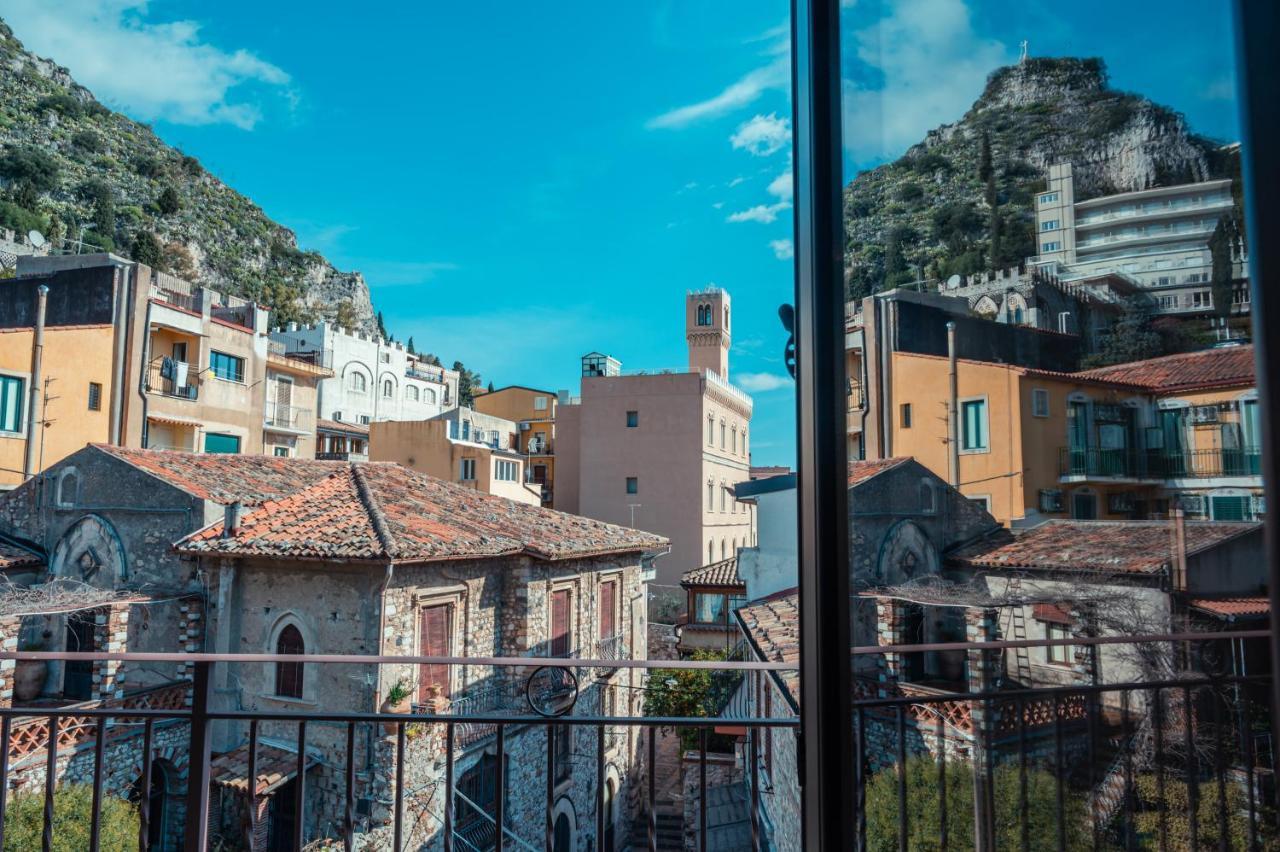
[[1022, 60]]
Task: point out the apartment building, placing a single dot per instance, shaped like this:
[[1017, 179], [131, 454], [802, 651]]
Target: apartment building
[[138, 358], [1157, 238], [373, 379], [463, 446], [662, 451], [534, 413]]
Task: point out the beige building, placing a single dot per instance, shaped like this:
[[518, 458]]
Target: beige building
[[463, 446], [534, 413], [662, 451]]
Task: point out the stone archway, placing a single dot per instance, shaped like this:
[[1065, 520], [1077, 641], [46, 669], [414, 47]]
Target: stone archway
[[906, 554], [91, 552]]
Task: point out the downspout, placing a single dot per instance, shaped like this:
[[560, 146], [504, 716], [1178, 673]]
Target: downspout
[[376, 686], [33, 393], [953, 412], [120, 328], [142, 376]]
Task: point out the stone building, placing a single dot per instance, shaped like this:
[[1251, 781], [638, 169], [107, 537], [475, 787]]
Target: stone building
[[412, 565]]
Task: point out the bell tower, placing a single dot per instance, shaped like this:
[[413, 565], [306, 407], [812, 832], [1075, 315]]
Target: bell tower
[[706, 322]]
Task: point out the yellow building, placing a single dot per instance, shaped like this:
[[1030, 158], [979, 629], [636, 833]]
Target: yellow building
[[1130, 441], [534, 412]]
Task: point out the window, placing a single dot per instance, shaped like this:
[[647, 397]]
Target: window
[[229, 368], [723, 497], [733, 440], [1039, 402], [95, 396], [633, 419], [217, 443], [1049, 225], [711, 552], [433, 641], [388, 389], [560, 623], [289, 675], [1051, 246], [539, 403], [904, 415], [384, 357], [357, 383], [983, 501], [11, 403], [633, 485], [1084, 506], [429, 396], [564, 771], [711, 430], [468, 471], [608, 609], [281, 452], [724, 549], [711, 496], [364, 420], [1049, 198], [722, 435], [709, 608], [973, 425], [68, 485], [505, 471], [1062, 655], [412, 394]]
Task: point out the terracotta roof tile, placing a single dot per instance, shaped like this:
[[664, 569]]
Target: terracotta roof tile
[[274, 767], [773, 625], [1230, 366], [1139, 547], [1229, 607], [722, 573], [380, 510], [226, 478], [339, 426], [12, 556], [861, 471]]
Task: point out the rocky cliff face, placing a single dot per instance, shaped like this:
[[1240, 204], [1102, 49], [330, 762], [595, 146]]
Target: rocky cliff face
[[74, 169], [927, 214]]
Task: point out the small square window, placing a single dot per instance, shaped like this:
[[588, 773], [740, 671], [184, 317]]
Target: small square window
[[633, 485], [905, 414], [1039, 402], [468, 471], [282, 452], [95, 396], [633, 419]]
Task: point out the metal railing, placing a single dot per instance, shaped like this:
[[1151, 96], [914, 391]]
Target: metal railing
[[1159, 464], [436, 375], [163, 380], [288, 417], [133, 736], [342, 456], [610, 648]]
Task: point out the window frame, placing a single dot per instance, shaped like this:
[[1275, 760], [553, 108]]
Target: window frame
[[13, 387], [963, 404], [216, 356]]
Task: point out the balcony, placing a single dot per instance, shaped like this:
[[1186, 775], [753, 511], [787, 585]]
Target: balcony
[[289, 418], [176, 379], [1091, 463], [342, 456], [1212, 464], [425, 374]]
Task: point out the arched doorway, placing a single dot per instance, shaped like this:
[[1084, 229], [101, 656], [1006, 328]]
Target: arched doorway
[[563, 834], [77, 683], [157, 804], [610, 796]]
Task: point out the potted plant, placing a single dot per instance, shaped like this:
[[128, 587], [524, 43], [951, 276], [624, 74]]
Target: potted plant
[[29, 675], [397, 701]]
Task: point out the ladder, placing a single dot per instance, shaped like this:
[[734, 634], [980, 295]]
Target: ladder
[[1018, 633]]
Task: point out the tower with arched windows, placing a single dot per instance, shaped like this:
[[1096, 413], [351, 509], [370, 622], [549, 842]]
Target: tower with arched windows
[[707, 330]]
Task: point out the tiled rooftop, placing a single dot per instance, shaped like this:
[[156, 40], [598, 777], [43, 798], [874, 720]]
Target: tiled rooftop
[[339, 426], [1110, 546], [1230, 366], [274, 767], [861, 471], [1233, 607], [722, 573], [773, 625], [380, 511], [12, 556], [226, 478]]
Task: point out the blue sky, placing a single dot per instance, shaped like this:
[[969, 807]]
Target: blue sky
[[523, 183]]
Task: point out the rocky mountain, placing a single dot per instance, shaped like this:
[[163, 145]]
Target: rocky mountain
[[75, 170], [930, 213]]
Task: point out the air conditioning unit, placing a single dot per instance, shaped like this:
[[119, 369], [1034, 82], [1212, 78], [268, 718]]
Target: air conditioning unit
[[1051, 500], [1204, 414]]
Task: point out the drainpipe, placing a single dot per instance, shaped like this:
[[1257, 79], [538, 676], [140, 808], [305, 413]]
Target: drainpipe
[[142, 377], [33, 395], [953, 412], [381, 598], [120, 329]]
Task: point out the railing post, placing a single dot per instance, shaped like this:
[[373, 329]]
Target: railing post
[[197, 825]]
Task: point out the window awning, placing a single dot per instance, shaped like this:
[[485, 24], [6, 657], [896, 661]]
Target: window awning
[[1052, 613]]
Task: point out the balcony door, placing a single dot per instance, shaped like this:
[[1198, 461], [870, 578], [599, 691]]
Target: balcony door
[[434, 642]]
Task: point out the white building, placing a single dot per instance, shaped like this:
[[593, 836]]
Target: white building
[[1156, 238], [372, 379]]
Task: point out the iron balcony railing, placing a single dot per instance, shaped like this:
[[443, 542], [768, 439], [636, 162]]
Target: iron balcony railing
[[426, 374], [283, 416], [610, 648], [1158, 464], [169, 377], [133, 731]]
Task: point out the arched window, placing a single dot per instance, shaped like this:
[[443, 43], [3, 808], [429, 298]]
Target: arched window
[[711, 552], [724, 551], [735, 547], [68, 487], [289, 675], [711, 496], [724, 492], [711, 430], [412, 394], [734, 442], [429, 396], [388, 388], [356, 382]]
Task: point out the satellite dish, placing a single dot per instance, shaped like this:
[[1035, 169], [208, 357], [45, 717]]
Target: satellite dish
[[953, 282], [36, 239]]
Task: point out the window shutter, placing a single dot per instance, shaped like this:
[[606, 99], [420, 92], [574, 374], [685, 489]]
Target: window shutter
[[608, 608], [560, 623], [435, 643]]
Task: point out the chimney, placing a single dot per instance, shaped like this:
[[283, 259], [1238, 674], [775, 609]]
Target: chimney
[[231, 519]]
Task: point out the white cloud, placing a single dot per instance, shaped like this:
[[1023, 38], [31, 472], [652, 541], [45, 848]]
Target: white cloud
[[739, 179], [153, 71], [775, 75], [399, 273], [762, 213], [926, 66], [1221, 89], [717, 205], [783, 249], [762, 383], [783, 186], [763, 135]]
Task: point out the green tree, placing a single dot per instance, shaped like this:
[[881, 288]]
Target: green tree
[[985, 168], [1220, 250], [102, 199], [924, 814], [694, 693], [409, 346], [168, 201], [490, 388], [31, 173], [1131, 338], [382, 327], [1175, 806], [147, 250], [346, 316], [896, 270], [467, 384], [72, 817]]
